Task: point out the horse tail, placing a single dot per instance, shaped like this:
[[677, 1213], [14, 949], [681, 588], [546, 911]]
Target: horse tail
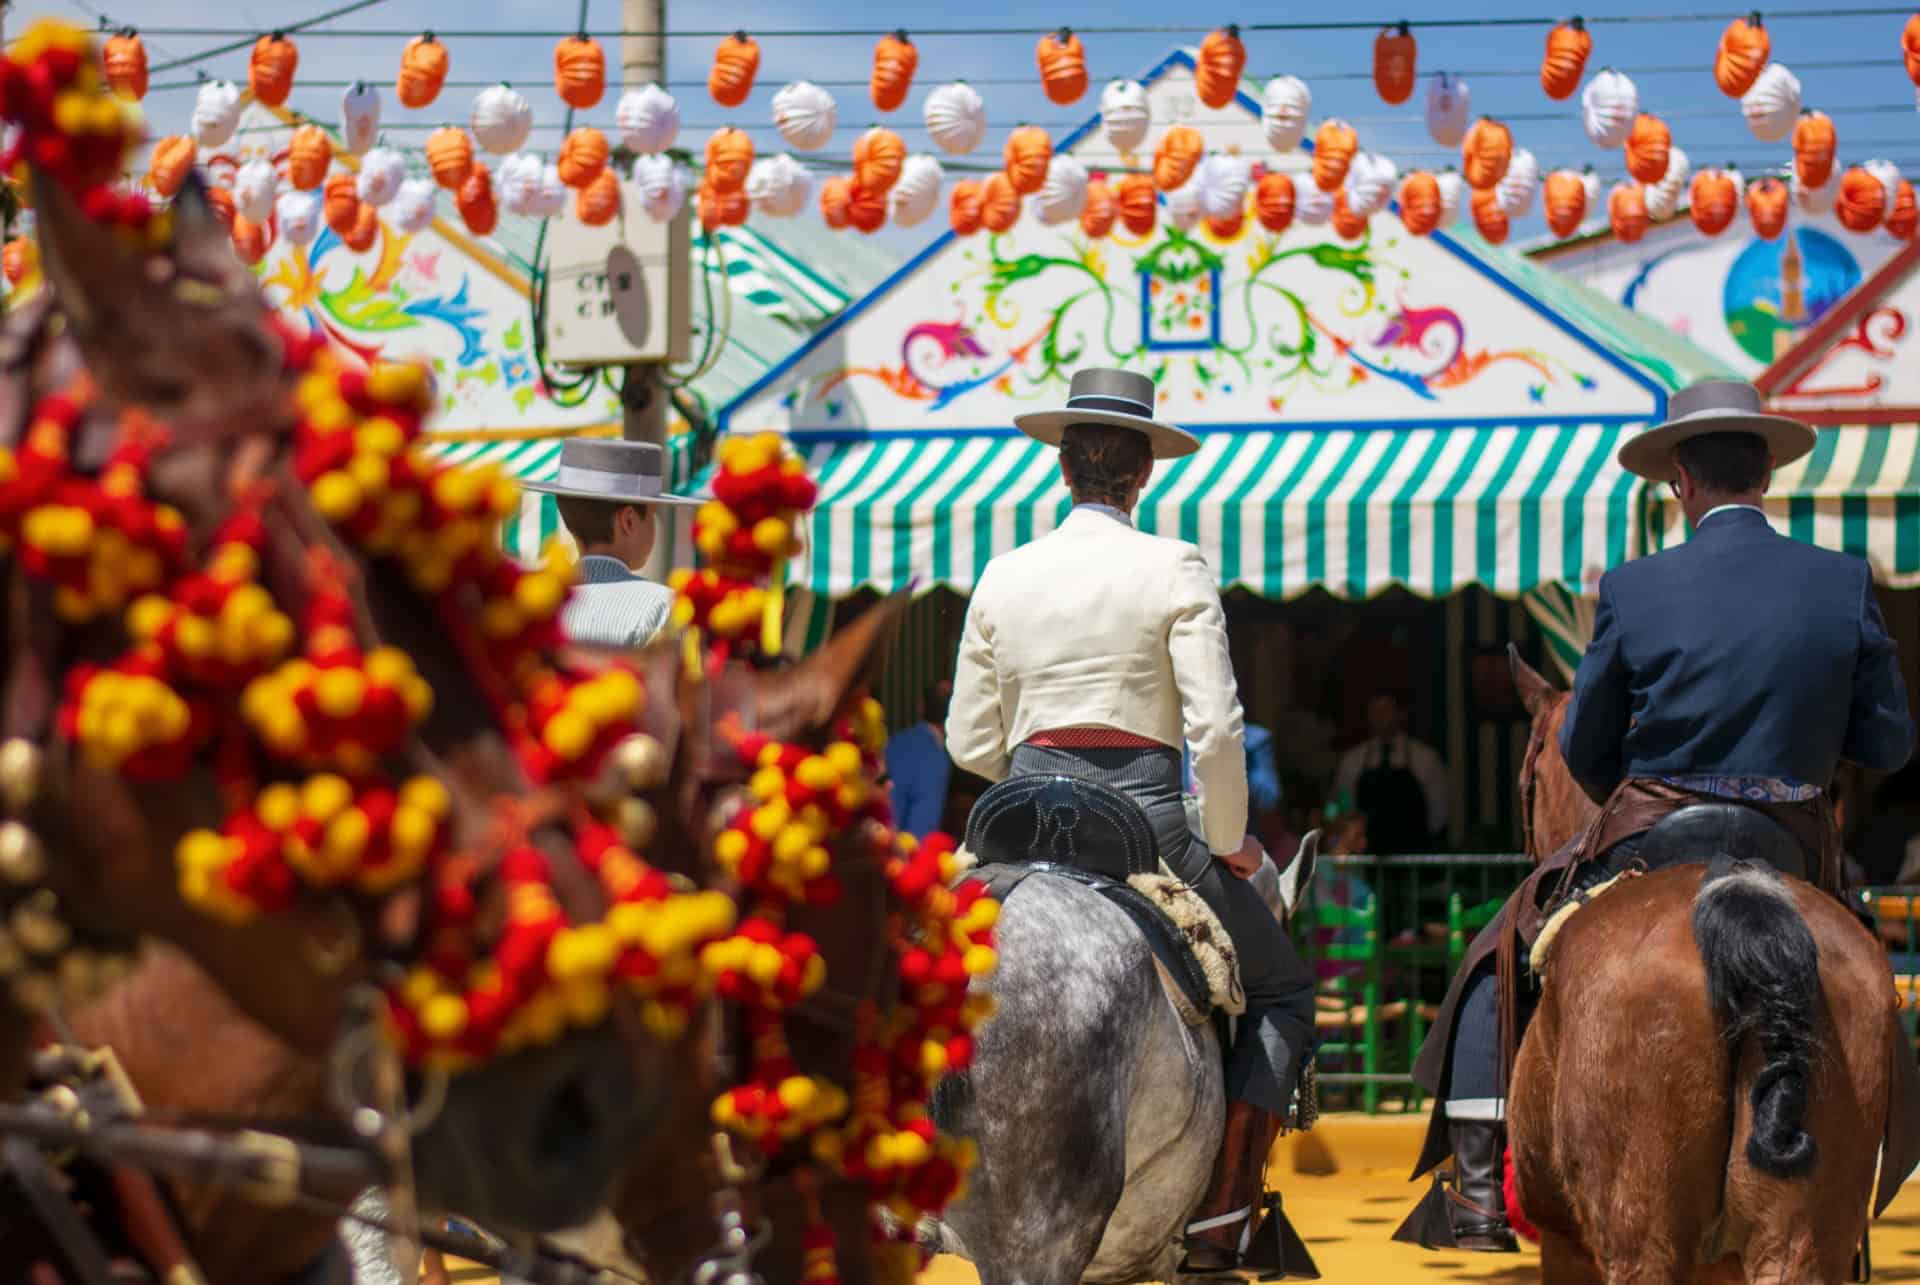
[[1763, 979]]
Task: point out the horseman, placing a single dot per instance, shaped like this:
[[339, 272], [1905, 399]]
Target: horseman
[[1095, 652], [1736, 670]]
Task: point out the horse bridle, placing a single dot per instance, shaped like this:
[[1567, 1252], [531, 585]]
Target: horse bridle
[[1529, 783]]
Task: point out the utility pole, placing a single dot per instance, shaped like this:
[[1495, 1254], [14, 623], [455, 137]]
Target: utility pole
[[643, 58]]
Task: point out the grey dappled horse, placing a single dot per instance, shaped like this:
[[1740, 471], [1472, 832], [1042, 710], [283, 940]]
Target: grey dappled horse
[[1096, 1108]]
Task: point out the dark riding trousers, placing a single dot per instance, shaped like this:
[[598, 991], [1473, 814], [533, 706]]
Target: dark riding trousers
[[1274, 1034]]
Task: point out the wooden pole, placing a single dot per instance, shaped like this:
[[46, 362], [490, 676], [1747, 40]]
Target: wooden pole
[[643, 58]]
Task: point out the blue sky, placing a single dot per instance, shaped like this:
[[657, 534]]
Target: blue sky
[[1849, 66]]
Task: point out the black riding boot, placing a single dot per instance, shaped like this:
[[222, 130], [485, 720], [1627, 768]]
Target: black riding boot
[[1223, 1226], [1477, 1202]]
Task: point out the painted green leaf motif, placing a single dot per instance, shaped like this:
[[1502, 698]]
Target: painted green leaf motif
[[1179, 258], [514, 339], [361, 307], [523, 397], [488, 374], [1006, 272]]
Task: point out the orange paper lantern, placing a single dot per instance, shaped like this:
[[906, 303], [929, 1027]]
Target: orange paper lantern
[[1902, 217], [1420, 203], [250, 240], [1139, 203], [1334, 144], [1649, 148], [999, 203], [450, 157], [1349, 224], [310, 154], [1216, 74], [963, 206], [735, 63], [1767, 206], [1394, 53], [729, 157], [1488, 218], [341, 202], [1173, 160], [1226, 229], [172, 160], [124, 58], [1814, 143], [866, 211], [834, 194], [1566, 202], [1028, 154], [579, 71], [1862, 202], [877, 158], [583, 157], [220, 201], [18, 259], [270, 70], [1098, 214], [894, 62], [1485, 153], [598, 201], [1568, 45], [1627, 212], [475, 202], [364, 230], [1910, 45], [721, 209], [423, 70], [1742, 56], [1273, 201], [1713, 200], [1063, 67]]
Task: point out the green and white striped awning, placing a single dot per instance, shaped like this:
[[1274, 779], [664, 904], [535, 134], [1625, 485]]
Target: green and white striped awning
[[538, 460], [1858, 492], [779, 284], [1351, 511]]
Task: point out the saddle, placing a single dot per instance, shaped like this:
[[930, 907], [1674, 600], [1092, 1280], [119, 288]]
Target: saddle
[[1099, 838]]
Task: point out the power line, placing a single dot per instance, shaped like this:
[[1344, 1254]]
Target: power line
[[247, 38]]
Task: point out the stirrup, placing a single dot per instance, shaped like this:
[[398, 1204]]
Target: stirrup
[[1274, 1251], [1430, 1225]]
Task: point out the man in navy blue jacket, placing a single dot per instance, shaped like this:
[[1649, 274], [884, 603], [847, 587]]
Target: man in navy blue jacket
[[1740, 665]]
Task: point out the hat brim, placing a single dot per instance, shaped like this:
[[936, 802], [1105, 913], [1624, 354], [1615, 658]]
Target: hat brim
[[1049, 425], [1650, 454], [671, 501]]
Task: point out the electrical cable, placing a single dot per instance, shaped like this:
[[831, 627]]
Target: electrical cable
[[247, 38]]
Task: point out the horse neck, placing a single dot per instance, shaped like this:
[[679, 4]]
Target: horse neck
[[1560, 809]]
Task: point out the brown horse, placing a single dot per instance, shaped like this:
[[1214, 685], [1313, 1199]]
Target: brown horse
[[1706, 1082]]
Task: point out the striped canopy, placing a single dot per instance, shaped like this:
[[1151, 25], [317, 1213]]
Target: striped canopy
[[1351, 510]]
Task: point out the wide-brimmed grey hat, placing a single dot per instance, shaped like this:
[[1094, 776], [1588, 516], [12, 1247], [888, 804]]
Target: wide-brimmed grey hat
[[1712, 406], [1121, 398], [615, 471]]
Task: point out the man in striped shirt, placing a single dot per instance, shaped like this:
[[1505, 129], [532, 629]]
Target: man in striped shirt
[[609, 495]]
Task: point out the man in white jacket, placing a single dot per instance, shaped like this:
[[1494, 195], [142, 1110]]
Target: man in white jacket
[[1095, 651]]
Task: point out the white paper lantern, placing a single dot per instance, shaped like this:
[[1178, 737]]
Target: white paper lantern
[[1183, 206], [1664, 197], [1220, 183], [1064, 194], [916, 193], [805, 114], [1283, 113], [956, 117], [648, 119], [216, 113], [1590, 183], [501, 119], [1814, 200], [1371, 179], [298, 214], [1449, 108], [779, 186], [1453, 195], [254, 187], [359, 116], [554, 196], [517, 180], [1516, 189], [1311, 206], [412, 207], [382, 171], [1772, 106], [662, 185], [1607, 107], [1125, 114]]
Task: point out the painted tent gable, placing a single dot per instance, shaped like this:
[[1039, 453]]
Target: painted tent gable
[[1243, 331], [1742, 299], [1873, 361]]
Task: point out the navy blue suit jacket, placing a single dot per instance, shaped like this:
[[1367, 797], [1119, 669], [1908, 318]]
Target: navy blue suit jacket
[[1738, 653]]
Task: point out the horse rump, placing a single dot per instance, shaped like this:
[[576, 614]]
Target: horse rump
[[1763, 979]]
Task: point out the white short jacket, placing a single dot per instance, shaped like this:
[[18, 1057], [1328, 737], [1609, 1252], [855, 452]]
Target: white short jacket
[[1098, 624]]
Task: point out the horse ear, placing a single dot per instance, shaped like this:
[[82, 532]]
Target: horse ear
[[1534, 690], [1298, 876], [823, 688], [83, 262]]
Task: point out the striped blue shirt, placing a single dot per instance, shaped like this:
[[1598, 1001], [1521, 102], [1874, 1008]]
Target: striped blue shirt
[[613, 607]]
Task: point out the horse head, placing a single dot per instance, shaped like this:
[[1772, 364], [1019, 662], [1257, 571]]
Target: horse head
[[1553, 807]]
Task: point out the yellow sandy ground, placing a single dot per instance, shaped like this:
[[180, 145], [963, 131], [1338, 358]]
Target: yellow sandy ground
[[1348, 1216]]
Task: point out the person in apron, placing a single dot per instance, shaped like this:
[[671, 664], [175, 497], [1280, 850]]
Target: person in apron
[[1397, 782]]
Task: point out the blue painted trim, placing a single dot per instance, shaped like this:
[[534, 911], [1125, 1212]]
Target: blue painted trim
[[1208, 344], [829, 436]]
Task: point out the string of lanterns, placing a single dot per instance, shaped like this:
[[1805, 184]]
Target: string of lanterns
[[1496, 181]]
